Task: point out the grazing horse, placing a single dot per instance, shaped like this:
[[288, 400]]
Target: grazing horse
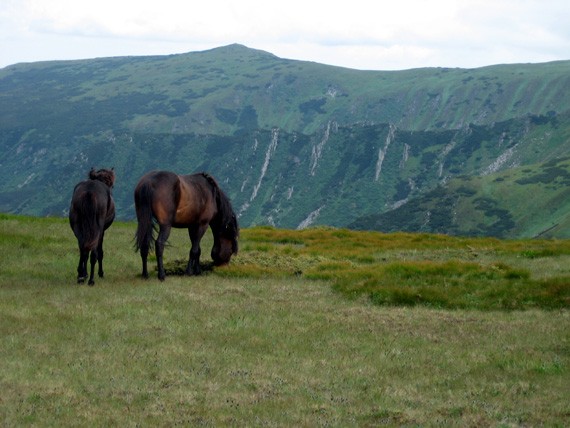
[[91, 213], [184, 201]]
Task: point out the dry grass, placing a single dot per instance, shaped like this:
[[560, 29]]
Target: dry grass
[[278, 352]]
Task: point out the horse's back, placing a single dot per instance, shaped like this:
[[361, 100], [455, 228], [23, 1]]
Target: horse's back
[[155, 178], [156, 182], [196, 204]]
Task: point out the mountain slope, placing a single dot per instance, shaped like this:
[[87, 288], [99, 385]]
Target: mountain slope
[[293, 143], [528, 201]]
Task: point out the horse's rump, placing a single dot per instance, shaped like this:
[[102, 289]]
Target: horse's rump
[[156, 196], [91, 212]]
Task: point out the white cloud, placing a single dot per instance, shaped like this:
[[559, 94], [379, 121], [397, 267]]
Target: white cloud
[[367, 34]]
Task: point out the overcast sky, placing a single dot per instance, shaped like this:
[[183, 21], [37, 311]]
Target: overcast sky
[[361, 34]]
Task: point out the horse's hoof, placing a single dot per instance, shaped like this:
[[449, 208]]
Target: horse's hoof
[[80, 280], [91, 283]]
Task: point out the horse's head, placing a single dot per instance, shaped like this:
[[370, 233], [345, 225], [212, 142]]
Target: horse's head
[[224, 226], [225, 242], [106, 176]]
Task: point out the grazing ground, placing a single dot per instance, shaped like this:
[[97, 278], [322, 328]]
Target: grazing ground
[[303, 328]]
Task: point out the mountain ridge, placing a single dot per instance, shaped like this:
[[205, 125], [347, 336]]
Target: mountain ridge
[[430, 97]]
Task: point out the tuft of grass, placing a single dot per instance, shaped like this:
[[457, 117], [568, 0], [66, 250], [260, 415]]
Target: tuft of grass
[[417, 269]]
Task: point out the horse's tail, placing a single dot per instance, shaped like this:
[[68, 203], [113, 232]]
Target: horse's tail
[[143, 205], [88, 224]]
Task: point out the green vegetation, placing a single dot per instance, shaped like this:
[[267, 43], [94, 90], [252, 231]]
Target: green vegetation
[[304, 328]]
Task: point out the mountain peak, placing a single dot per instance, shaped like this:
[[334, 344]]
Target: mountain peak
[[238, 49]]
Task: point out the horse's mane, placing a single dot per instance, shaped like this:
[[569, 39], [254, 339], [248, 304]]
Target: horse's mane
[[226, 216], [106, 176]]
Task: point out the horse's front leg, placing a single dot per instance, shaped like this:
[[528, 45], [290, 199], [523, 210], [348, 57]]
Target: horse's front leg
[[195, 233], [193, 267], [159, 249]]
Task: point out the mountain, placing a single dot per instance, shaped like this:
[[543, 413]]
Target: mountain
[[295, 143]]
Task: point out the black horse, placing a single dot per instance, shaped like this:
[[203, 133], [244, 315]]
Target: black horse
[[184, 201], [91, 213]]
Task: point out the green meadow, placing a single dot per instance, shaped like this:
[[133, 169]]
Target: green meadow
[[319, 327]]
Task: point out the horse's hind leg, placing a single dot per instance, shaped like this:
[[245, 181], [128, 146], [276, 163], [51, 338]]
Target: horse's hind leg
[[163, 235], [100, 256], [93, 262], [82, 267], [144, 256]]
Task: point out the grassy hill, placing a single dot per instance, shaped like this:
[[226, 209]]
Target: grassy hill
[[315, 327], [293, 143]]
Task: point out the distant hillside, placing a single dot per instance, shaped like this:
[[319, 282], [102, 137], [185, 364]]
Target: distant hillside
[[293, 143]]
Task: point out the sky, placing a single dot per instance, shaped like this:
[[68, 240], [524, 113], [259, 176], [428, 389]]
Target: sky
[[359, 34]]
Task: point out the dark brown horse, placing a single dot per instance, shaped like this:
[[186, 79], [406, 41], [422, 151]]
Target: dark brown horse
[[91, 212], [184, 201]]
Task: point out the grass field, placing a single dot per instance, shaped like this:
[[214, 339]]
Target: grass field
[[322, 327]]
